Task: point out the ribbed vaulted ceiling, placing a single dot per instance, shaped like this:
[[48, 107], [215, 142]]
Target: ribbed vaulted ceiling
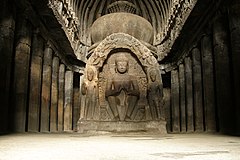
[[166, 16], [158, 12], [155, 11]]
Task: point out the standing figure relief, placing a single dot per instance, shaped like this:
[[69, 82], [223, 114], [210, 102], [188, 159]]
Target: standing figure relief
[[90, 90], [154, 95]]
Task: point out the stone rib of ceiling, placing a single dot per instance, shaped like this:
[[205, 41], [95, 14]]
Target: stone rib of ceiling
[[166, 16]]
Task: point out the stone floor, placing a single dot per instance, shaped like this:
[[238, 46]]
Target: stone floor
[[132, 146]]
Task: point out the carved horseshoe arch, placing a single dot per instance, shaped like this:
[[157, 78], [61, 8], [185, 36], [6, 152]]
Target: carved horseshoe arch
[[125, 41]]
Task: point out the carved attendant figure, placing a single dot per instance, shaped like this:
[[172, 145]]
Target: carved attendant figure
[[154, 94], [90, 90], [122, 82]]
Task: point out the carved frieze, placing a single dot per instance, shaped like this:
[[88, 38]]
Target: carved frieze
[[66, 16], [179, 12]]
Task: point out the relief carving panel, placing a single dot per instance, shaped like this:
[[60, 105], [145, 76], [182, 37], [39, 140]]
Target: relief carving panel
[[122, 82], [122, 86]]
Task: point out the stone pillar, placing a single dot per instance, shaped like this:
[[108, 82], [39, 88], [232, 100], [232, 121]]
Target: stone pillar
[[61, 97], [182, 97], [175, 101], [197, 90], [189, 94], [21, 73], [82, 108], [35, 83], [234, 17], [167, 107], [76, 100], [46, 88], [68, 104], [54, 95], [7, 27], [208, 84], [223, 76]]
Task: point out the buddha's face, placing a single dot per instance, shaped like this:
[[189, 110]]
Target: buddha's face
[[122, 66], [90, 75]]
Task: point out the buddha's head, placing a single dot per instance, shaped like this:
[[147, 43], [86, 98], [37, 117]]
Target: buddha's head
[[90, 74], [121, 63]]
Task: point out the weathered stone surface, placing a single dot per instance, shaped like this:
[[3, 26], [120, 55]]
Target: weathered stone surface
[[7, 27], [167, 106], [175, 101], [208, 84], [35, 83], [54, 95], [21, 73], [223, 75], [46, 89], [189, 94], [61, 96], [197, 90], [68, 102], [234, 23], [158, 127], [182, 97], [131, 24], [76, 100]]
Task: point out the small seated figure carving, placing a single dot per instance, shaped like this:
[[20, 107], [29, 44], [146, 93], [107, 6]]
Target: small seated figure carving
[[122, 81], [90, 89], [154, 94]]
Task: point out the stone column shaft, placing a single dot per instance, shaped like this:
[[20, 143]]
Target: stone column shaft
[[35, 84], [182, 97], [61, 97], [222, 74], [21, 73], [208, 84], [234, 17], [68, 104], [76, 100], [197, 90], [46, 89], [7, 28], [189, 94], [175, 101], [167, 107], [54, 95]]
